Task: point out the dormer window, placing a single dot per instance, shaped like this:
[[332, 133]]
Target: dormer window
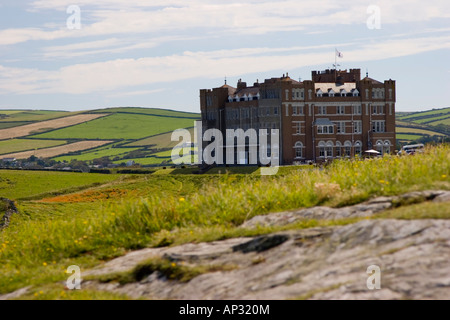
[[343, 93], [355, 92], [319, 93], [330, 92], [230, 99]]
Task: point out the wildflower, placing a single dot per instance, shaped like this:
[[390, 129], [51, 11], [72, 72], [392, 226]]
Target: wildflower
[[44, 264], [444, 176], [182, 199], [173, 264]]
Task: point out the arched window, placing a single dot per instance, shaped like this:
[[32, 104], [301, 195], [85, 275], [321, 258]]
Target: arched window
[[298, 150], [379, 146], [329, 149], [322, 146], [358, 148], [347, 149], [387, 147], [338, 149]]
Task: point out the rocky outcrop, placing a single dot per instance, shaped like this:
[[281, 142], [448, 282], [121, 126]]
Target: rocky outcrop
[[316, 263]]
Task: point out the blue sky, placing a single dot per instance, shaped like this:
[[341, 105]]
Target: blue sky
[[159, 53]]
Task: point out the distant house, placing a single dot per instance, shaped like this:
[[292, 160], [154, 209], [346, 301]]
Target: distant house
[[9, 159], [130, 163]]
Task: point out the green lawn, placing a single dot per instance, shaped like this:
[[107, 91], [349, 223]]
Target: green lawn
[[17, 145], [119, 126], [25, 184]]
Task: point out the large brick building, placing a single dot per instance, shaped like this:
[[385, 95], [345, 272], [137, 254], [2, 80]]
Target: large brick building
[[336, 114]]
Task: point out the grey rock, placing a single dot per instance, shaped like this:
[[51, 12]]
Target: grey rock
[[319, 263]]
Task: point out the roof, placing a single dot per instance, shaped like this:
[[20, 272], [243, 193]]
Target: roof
[[323, 122], [247, 91], [372, 80], [326, 86], [231, 90]]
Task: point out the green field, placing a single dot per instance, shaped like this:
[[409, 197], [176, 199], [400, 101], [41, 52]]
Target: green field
[[419, 131], [151, 111], [426, 114], [16, 145], [87, 219], [38, 115], [95, 154], [24, 184], [119, 126], [161, 141], [408, 137]]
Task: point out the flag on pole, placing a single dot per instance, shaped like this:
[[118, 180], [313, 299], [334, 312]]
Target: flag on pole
[[339, 54]]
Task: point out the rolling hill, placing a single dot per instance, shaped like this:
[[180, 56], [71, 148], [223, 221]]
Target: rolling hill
[[142, 135], [423, 126], [113, 135]]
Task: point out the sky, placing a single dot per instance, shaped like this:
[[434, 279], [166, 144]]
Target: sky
[[85, 54]]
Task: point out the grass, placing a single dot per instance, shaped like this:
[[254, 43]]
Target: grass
[[6, 125], [151, 111], [429, 113], [97, 153], [419, 131], [120, 126], [25, 184], [46, 238], [410, 137], [160, 141], [35, 115], [17, 145]]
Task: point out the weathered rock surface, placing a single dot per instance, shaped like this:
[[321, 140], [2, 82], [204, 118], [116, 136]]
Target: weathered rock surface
[[315, 263], [365, 209]]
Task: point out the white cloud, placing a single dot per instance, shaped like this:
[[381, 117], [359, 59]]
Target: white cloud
[[118, 17], [127, 73]]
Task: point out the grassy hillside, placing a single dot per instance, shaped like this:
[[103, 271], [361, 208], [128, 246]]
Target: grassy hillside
[[431, 125], [135, 132], [107, 215]]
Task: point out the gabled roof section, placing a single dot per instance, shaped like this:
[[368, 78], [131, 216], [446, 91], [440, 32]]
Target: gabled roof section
[[372, 80], [231, 90]]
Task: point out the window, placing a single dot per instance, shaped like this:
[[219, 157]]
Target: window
[[319, 93], [340, 127], [298, 149], [358, 148], [387, 147], [322, 110], [338, 149], [357, 109], [379, 146], [329, 150], [268, 111], [347, 148], [297, 128], [321, 149], [340, 110], [357, 127], [275, 110], [378, 126], [296, 111], [325, 129]]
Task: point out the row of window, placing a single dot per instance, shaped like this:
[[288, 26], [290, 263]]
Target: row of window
[[245, 97], [322, 110], [342, 93], [329, 150]]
